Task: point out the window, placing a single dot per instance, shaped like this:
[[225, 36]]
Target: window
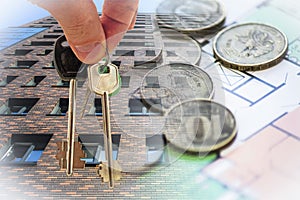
[[20, 52], [24, 149], [45, 52], [142, 107], [18, 106], [61, 107], [93, 146], [137, 44], [125, 81], [49, 66], [58, 31], [34, 82], [62, 83], [150, 53], [156, 149], [136, 31], [124, 53], [144, 65], [24, 64], [41, 43], [51, 36], [97, 108], [135, 37], [7, 80], [152, 82]]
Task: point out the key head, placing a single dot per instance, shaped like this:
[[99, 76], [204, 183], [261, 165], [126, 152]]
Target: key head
[[67, 65], [103, 81]]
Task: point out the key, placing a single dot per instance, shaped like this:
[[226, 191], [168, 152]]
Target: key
[[104, 80], [70, 69]]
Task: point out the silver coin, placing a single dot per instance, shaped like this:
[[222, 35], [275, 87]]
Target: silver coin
[[174, 83], [191, 15], [200, 126], [250, 46]]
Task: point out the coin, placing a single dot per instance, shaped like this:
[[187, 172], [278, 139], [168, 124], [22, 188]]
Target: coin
[[250, 46], [191, 15], [200, 125], [175, 82]]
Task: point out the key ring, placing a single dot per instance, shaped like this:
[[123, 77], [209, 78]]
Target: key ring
[[102, 67]]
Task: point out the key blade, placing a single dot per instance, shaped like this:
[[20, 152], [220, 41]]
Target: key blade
[[107, 137], [86, 99], [71, 127]]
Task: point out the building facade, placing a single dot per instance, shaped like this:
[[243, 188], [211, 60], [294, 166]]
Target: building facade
[[33, 107]]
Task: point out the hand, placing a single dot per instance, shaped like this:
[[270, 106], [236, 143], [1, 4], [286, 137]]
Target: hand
[[88, 34]]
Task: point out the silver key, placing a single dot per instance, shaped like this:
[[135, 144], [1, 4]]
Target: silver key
[[104, 84]]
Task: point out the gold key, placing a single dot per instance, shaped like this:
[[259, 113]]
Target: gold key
[[69, 68], [104, 80]]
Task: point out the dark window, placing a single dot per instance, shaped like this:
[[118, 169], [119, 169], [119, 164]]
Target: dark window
[[62, 83], [156, 149], [139, 37], [51, 36], [125, 81], [49, 66], [61, 107], [124, 53], [45, 52], [96, 109], [7, 80], [58, 31], [35, 81], [24, 149], [150, 53], [20, 52], [142, 107], [136, 31], [24, 64], [174, 44], [93, 146], [117, 63], [152, 82], [41, 43], [137, 44], [144, 65], [18, 106]]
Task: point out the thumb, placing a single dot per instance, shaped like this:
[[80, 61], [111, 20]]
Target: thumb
[[81, 24]]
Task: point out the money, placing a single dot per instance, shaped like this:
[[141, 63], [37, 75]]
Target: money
[[174, 83], [250, 46], [191, 15], [200, 126]]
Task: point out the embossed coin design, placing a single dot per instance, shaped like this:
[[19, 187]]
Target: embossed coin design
[[191, 15], [200, 126], [174, 83], [250, 46]]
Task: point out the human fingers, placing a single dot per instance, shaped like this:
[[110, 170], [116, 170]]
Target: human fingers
[[81, 24], [117, 17], [131, 26]]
